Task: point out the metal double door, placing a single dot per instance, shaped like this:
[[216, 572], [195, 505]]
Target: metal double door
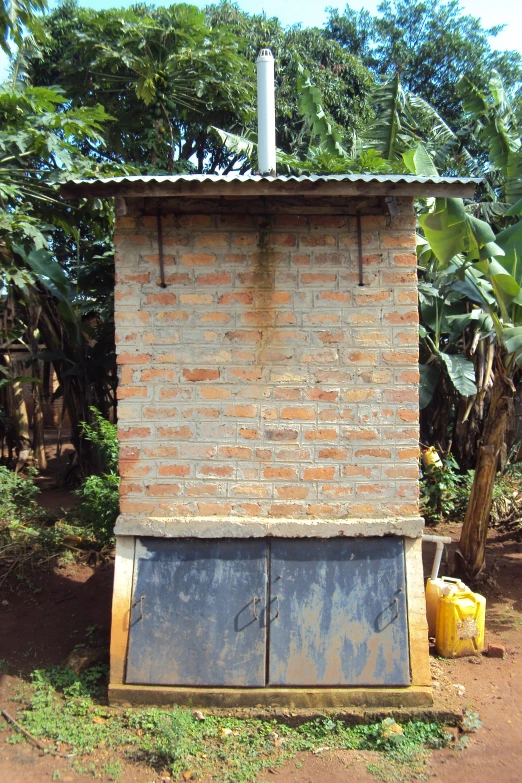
[[279, 612]]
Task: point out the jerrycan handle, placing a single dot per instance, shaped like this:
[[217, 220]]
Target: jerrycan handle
[[457, 582]]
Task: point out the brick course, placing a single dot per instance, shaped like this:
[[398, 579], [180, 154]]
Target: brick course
[[264, 381]]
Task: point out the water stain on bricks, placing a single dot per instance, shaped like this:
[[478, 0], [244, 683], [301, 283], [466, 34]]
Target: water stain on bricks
[[264, 284]]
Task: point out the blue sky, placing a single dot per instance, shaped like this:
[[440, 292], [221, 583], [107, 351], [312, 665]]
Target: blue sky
[[311, 12]]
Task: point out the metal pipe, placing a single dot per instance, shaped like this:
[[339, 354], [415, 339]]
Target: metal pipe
[[439, 541], [266, 141], [160, 250], [360, 248]]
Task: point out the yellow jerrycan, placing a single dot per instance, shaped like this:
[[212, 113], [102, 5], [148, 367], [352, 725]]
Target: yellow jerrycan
[[431, 458], [434, 588], [461, 619]]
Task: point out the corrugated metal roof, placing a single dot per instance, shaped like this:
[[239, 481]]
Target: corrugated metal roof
[[234, 177], [252, 186]]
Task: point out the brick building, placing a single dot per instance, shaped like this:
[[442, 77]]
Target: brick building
[[267, 339]]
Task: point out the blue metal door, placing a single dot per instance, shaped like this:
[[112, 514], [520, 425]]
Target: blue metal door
[[338, 613], [198, 614]]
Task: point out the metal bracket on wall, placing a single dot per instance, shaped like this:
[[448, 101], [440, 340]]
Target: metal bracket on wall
[[391, 205]]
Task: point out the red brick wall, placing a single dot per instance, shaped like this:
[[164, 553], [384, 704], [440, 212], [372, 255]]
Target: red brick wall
[[263, 381]]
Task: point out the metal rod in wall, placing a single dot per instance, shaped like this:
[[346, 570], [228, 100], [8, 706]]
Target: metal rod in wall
[[360, 248], [160, 250]]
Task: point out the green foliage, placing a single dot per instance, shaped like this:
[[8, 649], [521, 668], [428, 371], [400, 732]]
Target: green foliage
[[17, 496], [323, 133], [56, 261], [470, 722], [390, 132], [99, 506], [69, 719], [103, 434], [496, 122], [429, 45], [30, 534], [64, 709], [342, 83], [99, 494], [16, 17], [41, 140], [86, 685], [113, 770], [445, 492], [165, 73], [471, 286]]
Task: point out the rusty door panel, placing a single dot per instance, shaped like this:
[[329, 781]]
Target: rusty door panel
[[193, 620], [338, 612]]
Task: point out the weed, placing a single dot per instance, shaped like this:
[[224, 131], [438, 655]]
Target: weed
[[65, 558], [15, 739], [63, 709], [444, 491], [99, 494], [91, 631], [4, 666], [30, 534], [17, 495], [56, 775], [99, 507], [462, 744], [113, 770], [104, 437], [470, 722]]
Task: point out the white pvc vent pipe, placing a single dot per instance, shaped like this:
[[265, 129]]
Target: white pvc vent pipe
[[439, 541], [266, 142]]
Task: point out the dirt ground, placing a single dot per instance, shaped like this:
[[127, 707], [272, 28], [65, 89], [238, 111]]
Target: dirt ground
[[43, 615]]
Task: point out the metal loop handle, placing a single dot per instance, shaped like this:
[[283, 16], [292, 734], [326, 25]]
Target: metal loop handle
[[277, 606], [254, 600], [140, 602]]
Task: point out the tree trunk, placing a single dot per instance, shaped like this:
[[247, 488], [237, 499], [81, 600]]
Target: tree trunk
[[38, 428], [469, 559], [19, 437], [466, 435]]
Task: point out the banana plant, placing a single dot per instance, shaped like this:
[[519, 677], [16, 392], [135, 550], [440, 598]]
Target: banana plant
[[393, 128], [324, 134], [485, 268], [496, 123]]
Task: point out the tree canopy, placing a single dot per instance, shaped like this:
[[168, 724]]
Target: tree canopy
[[170, 74], [429, 45]]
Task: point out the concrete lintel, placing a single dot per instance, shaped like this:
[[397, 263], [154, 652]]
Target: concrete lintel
[[256, 527], [270, 697]]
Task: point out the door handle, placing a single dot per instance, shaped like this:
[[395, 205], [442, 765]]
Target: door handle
[[140, 602]]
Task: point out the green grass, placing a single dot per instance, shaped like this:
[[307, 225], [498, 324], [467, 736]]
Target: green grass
[[64, 710]]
